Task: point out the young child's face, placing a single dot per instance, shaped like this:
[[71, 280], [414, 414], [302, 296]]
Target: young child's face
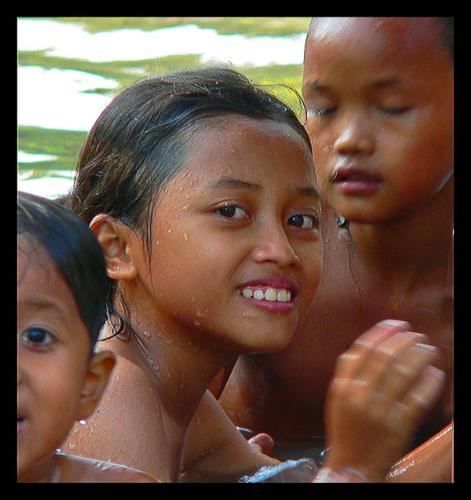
[[53, 354], [379, 99], [238, 223]]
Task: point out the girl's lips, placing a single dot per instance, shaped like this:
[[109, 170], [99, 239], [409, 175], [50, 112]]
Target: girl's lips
[[275, 307], [278, 282]]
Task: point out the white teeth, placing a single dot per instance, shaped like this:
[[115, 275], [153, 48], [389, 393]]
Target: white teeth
[[283, 296], [270, 294], [258, 295]]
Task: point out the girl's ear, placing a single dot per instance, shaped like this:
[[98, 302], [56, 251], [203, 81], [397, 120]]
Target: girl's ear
[[115, 239], [96, 379]]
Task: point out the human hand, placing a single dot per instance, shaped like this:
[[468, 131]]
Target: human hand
[[262, 443], [381, 390]]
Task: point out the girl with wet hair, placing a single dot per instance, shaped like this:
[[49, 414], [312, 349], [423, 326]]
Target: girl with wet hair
[[200, 189]]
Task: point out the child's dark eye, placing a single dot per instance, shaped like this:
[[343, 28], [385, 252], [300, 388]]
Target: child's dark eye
[[37, 337], [232, 212], [304, 221]]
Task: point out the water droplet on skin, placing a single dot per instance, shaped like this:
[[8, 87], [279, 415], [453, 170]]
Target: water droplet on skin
[[82, 422], [153, 364], [185, 236]]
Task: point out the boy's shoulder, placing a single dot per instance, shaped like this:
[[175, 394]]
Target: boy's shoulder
[[77, 469]]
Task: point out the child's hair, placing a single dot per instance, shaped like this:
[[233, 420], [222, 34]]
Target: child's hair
[[142, 138], [75, 251], [447, 27]]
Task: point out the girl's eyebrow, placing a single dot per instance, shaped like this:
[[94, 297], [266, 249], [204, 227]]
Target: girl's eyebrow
[[231, 182], [308, 192]]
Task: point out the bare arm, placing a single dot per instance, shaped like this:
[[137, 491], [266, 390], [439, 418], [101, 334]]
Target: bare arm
[[432, 462], [215, 450]]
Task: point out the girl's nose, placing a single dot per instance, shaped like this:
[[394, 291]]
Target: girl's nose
[[355, 136], [274, 246]]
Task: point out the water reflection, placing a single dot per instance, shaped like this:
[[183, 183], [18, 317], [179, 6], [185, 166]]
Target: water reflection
[[65, 99], [53, 98], [70, 40]]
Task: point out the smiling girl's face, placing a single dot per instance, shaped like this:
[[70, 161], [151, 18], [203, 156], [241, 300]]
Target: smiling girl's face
[[379, 99], [235, 250]]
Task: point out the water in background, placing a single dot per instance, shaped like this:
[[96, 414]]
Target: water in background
[[64, 99]]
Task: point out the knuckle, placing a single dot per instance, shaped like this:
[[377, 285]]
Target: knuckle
[[405, 372]]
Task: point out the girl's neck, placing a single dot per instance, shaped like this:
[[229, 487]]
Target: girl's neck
[[179, 370], [417, 247]]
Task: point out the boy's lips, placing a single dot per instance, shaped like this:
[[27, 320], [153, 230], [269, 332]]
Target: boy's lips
[[356, 180]]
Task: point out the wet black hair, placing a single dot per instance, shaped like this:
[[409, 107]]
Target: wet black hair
[[75, 252], [141, 140]]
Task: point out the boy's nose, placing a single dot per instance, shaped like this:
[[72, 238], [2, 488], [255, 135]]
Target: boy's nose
[[274, 246], [355, 136]]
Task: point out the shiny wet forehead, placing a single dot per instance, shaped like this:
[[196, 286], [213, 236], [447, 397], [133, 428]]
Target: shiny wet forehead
[[390, 35]]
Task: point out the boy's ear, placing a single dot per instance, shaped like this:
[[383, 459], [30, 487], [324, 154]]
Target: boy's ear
[[97, 376], [115, 238]]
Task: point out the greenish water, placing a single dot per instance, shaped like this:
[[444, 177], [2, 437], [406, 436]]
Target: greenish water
[[65, 144]]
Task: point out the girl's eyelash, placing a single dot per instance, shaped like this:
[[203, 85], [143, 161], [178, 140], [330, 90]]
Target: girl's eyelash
[[232, 211], [297, 220]]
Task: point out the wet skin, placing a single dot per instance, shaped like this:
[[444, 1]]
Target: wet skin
[[379, 97], [51, 366], [230, 220], [57, 381]]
